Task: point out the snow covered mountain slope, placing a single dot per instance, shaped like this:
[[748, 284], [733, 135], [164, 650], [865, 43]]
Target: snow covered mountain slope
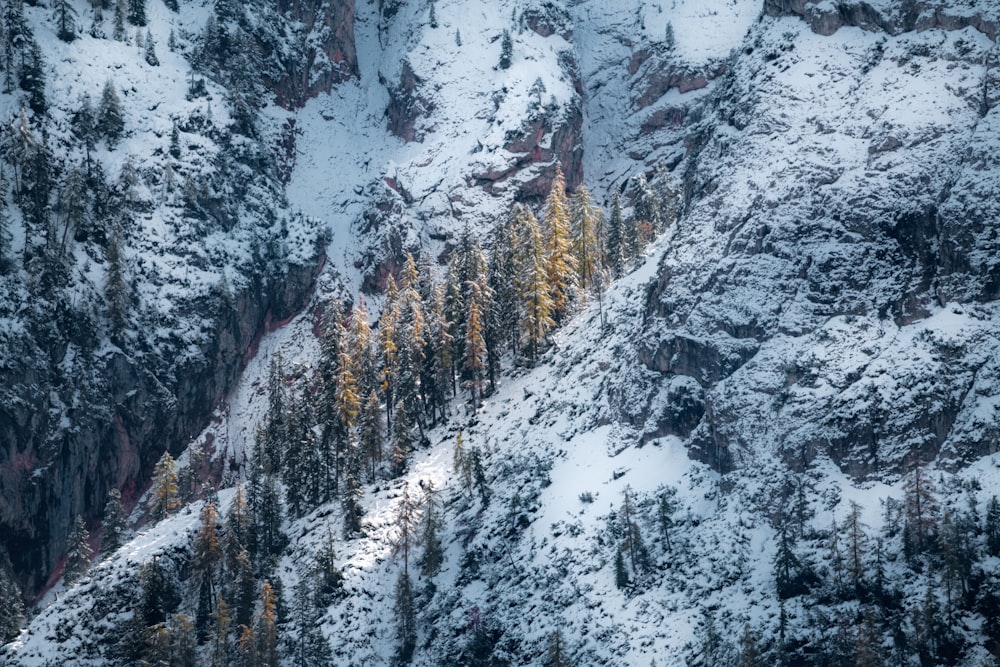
[[818, 327]]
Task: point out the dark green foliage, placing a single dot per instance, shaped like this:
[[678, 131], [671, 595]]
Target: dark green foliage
[[137, 12], [31, 77], [406, 619], [309, 648], [110, 119], [327, 576], [175, 142], [11, 608], [115, 526], [159, 592], [65, 20], [78, 552], [614, 242], [506, 50], [150, 54]]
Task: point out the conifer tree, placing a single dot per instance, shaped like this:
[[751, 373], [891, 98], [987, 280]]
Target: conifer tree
[[65, 20], [410, 341], [110, 120], [402, 439], [175, 142], [78, 552], [222, 623], [556, 653], [190, 476], [158, 592], [633, 543], [406, 619], [992, 526], [11, 608], [115, 523], [310, 648], [506, 50], [462, 464], [585, 233], [437, 354], [31, 77], [406, 522], [475, 346], [150, 53], [137, 12], [432, 17], [645, 210], [920, 507], [430, 560], [504, 320], [121, 11], [362, 354], [352, 493], [207, 545], [560, 266], [370, 432], [532, 281], [266, 628], [856, 541], [388, 352], [164, 499]]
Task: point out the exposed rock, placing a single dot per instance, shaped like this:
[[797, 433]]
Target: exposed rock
[[406, 105]]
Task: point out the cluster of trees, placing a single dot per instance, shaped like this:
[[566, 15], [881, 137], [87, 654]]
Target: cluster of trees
[[921, 590], [376, 391]]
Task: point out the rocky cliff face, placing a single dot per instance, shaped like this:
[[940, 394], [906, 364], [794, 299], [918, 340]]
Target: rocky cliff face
[[832, 290]]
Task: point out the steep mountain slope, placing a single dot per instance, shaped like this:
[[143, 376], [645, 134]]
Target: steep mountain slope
[[818, 326]]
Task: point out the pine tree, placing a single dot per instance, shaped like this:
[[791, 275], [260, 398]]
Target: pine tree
[[221, 646], [237, 533], [110, 121], [121, 10], [163, 498], [430, 561], [11, 608], [633, 543], [137, 12], [506, 50], [556, 653], [31, 77], [115, 523], [150, 54], [504, 318], [310, 648], [920, 507], [266, 628], [406, 522], [78, 552], [432, 18], [475, 346], [992, 526], [351, 496], [410, 341], [585, 233], [560, 266], [65, 20], [669, 41], [437, 373], [370, 432], [856, 541], [402, 439], [158, 592], [531, 281], [406, 619], [207, 546]]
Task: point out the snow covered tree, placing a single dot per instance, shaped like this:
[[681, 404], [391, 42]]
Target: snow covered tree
[[65, 20], [150, 53], [646, 214], [920, 508], [406, 523], [207, 545], [31, 77], [11, 608], [432, 17], [266, 628], [430, 560], [110, 120], [633, 543], [137, 12], [221, 649], [328, 577], [309, 647], [175, 142], [560, 268], [992, 526], [585, 234], [159, 592], [504, 319], [856, 544], [115, 523], [437, 374], [406, 619], [410, 340], [164, 497], [370, 432], [78, 552], [531, 280], [350, 497], [475, 346], [121, 11], [669, 41], [556, 651], [402, 441], [506, 50]]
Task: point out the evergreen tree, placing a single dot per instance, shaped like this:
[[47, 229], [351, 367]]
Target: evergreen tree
[[351, 496], [503, 318], [432, 18], [402, 440], [475, 346], [329, 579], [85, 124], [645, 210], [531, 281], [11, 608], [585, 234], [556, 653], [666, 506], [65, 20], [406, 619], [406, 522], [164, 497], [115, 523], [191, 475], [137, 12], [430, 561], [150, 54], [410, 341], [560, 266], [158, 592], [78, 552], [110, 121], [266, 628], [370, 432], [506, 50], [992, 526], [221, 646], [310, 648], [669, 41], [237, 533], [121, 11], [856, 541], [920, 508], [31, 77], [207, 545], [633, 543], [437, 373]]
